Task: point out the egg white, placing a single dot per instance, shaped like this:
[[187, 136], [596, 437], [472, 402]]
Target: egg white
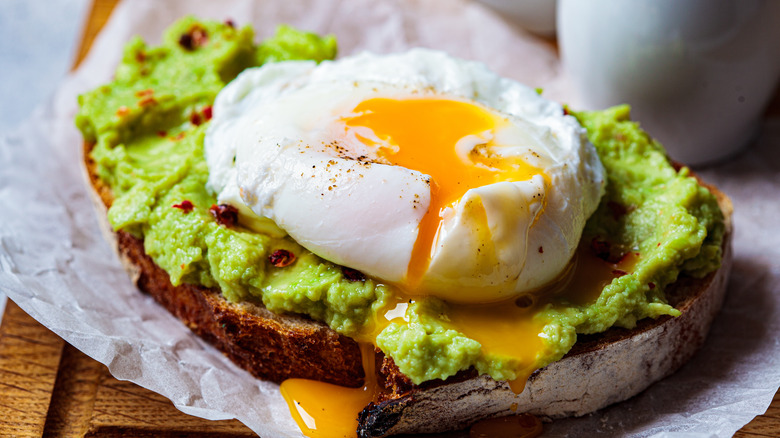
[[276, 147]]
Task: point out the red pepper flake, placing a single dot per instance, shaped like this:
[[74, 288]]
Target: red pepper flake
[[352, 274], [619, 272], [651, 285], [566, 111], [281, 258], [186, 206], [225, 214], [186, 41], [177, 137], [122, 111], [162, 133], [541, 250], [194, 38], [197, 118], [146, 101], [140, 56], [230, 23], [144, 93]]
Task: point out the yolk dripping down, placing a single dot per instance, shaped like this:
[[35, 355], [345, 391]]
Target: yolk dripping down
[[438, 137], [325, 410]]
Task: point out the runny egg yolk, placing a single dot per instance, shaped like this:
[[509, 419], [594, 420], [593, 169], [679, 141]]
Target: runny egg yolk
[[450, 141]]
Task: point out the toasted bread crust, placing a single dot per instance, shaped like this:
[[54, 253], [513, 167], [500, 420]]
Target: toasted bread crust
[[610, 367], [269, 346]]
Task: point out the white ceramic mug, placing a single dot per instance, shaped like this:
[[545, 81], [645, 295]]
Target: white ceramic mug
[[697, 73]]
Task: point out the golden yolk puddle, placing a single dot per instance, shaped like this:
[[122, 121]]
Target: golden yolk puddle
[[423, 135], [325, 410]]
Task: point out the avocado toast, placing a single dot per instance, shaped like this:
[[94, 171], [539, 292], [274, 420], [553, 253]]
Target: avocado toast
[[279, 344]]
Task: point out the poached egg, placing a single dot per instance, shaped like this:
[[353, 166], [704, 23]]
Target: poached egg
[[421, 170]]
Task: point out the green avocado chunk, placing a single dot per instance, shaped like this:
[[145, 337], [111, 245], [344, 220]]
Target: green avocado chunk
[[148, 126]]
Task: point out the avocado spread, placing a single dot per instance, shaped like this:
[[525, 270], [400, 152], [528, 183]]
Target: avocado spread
[[148, 126]]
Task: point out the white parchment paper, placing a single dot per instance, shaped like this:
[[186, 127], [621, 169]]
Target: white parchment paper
[[55, 265]]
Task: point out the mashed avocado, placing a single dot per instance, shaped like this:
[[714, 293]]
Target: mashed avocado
[[148, 126]]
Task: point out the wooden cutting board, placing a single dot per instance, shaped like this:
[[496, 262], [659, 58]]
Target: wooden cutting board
[[48, 388]]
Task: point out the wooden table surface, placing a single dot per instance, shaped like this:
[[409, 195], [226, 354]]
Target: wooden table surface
[[48, 388]]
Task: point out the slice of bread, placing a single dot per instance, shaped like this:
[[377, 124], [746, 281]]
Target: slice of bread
[[600, 370]]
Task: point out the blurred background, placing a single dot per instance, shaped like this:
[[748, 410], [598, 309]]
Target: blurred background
[[38, 41]]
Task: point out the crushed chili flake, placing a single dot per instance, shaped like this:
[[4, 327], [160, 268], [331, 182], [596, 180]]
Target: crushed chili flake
[[186, 41], [352, 274], [122, 111], [194, 38], [225, 214], [185, 206], [197, 118], [143, 93], [651, 285], [619, 272], [162, 133], [177, 137], [541, 250], [230, 23], [146, 101], [140, 56], [566, 111], [281, 258]]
